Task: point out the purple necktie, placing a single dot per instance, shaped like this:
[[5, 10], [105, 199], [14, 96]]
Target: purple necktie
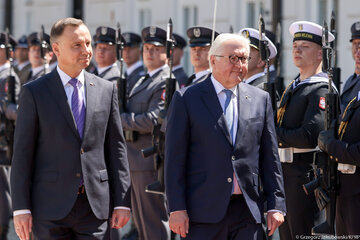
[[77, 107]]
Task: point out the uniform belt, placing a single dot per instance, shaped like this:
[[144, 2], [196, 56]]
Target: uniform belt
[[306, 150]]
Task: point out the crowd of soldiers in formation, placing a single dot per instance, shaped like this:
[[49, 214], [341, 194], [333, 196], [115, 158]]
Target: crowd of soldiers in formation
[[299, 121]]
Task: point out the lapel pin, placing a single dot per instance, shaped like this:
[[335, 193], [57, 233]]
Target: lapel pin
[[92, 84], [246, 97]]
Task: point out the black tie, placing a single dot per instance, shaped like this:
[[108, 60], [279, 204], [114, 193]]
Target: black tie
[[190, 79]]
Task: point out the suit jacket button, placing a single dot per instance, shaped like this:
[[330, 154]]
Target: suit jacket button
[[81, 151], [229, 180], [78, 175], [233, 158]]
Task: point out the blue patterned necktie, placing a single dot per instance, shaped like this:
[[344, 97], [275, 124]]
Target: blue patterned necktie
[[77, 107], [229, 111]]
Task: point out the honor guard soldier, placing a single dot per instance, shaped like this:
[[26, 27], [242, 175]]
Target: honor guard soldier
[[199, 43], [22, 57], [178, 70], [38, 65], [105, 54], [132, 58], [352, 84], [346, 152], [145, 101], [301, 116], [5, 68], [256, 75]]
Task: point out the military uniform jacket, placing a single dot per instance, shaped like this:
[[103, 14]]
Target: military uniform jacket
[[4, 74], [23, 73], [112, 73], [145, 101], [181, 76], [350, 90], [192, 80], [348, 150], [304, 115], [134, 76], [259, 82]]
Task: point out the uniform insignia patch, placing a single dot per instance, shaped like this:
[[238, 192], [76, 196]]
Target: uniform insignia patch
[[103, 30], [322, 103], [163, 95], [197, 32], [127, 37], [357, 26], [301, 27], [152, 31], [246, 33]]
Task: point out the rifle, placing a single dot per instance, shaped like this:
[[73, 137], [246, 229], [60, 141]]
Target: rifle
[[158, 137], [279, 82], [325, 170], [265, 53], [121, 81], [10, 99], [335, 70], [43, 46]]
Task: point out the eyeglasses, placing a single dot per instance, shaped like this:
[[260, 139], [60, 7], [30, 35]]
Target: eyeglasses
[[235, 59]]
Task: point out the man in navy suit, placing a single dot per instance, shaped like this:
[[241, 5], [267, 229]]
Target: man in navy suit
[[69, 170], [220, 141]]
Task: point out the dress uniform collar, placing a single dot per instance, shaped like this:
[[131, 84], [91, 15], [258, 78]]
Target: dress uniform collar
[[103, 69], [132, 68], [253, 77], [153, 72]]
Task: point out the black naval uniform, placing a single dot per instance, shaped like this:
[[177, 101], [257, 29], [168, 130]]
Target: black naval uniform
[[301, 117], [350, 90], [346, 150]]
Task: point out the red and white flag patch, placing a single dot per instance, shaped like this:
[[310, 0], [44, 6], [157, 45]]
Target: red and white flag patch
[[322, 103], [163, 95]]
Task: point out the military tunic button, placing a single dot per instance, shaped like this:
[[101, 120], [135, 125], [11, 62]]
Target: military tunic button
[[81, 151], [280, 144], [331, 157], [229, 180], [78, 175], [336, 159], [233, 158]]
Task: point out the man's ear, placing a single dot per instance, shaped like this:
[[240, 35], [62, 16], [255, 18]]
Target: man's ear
[[55, 48], [212, 60]]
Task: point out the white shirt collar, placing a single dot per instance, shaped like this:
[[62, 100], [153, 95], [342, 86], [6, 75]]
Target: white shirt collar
[[37, 70], [156, 70], [253, 77], [66, 78], [176, 67], [5, 66], [20, 66], [200, 74], [103, 69], [219, 87], [132, 68]]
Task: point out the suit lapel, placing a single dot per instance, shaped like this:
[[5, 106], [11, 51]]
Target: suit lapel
[[211, 101], [244, 106], [58, 93], [91, 100]]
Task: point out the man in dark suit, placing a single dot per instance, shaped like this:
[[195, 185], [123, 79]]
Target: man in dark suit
[[352, 84], [131, 55], [105, 54], [256, 75], [69, 169], [178, 70], [220, 140]]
